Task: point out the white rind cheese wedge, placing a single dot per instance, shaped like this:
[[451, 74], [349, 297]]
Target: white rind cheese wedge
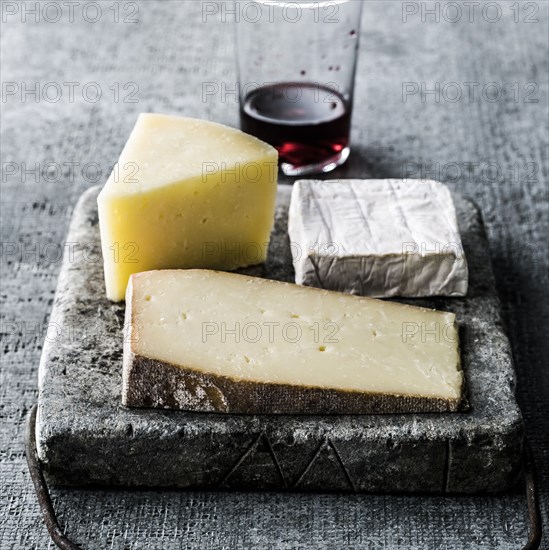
[[186, 193], [209, 341], [377, 238]]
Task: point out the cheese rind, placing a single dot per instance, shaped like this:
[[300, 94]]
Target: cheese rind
[[208, 341], [186, 193], [377, 238]]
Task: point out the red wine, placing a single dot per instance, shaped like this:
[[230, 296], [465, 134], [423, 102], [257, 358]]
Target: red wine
[[309, 124]]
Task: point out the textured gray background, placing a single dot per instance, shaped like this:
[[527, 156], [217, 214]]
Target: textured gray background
[[169, 54]]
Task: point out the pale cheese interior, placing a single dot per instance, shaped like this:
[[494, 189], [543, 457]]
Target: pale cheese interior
[[210, 322]]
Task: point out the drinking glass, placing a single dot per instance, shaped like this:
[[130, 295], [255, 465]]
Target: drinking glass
[[297, 63]]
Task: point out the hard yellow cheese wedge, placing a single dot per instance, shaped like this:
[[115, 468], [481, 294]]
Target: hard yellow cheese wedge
[[186, 193]]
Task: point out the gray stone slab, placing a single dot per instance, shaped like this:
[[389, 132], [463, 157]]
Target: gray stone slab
[[85, 435]]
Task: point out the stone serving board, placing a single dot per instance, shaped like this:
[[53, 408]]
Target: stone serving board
[[86, 436]]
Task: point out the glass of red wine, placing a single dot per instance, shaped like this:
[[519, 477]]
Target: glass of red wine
[[297, 63]]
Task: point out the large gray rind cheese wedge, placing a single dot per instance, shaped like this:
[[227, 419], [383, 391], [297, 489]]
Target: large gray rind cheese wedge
[[209, 341]]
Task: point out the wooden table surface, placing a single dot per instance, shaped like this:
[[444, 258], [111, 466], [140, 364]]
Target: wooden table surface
[[459, 94]]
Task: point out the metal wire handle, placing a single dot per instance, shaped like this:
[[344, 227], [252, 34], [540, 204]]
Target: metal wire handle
[[61, 540]]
